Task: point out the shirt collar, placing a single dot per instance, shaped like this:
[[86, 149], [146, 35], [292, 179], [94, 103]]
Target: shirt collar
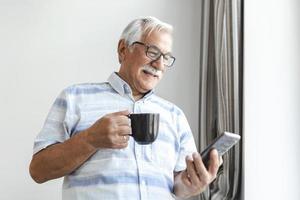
[[118, 84]]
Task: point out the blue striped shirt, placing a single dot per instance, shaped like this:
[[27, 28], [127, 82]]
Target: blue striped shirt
[[135, 172]]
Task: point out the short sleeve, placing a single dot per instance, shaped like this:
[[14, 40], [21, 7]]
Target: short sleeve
[[186, 141], [55, 128]]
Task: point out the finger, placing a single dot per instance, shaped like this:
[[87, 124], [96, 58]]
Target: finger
[[123, 120], [123, 139], [123, 112], [214, 163], [185, 178], [124, 130], [120, 141], [190, 167], [120, 145], [200, 167]]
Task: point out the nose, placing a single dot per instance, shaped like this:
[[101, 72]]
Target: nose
[[159, 63]]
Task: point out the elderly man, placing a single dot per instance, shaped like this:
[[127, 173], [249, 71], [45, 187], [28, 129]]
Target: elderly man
[[86, 137]]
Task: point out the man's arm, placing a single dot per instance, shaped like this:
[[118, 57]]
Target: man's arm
[[196, 177], [61, 159]]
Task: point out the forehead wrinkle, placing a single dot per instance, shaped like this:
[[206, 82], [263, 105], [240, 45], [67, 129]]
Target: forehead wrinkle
[[164, 43]]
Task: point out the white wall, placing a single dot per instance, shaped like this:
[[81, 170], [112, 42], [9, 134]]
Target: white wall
[[272, 100], [48, 45]]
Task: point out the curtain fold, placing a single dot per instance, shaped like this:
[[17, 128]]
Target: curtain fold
[[220, 106]]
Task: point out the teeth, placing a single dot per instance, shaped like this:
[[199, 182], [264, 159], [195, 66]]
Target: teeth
[[148, 72]]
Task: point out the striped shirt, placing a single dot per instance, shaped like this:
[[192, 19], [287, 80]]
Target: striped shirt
[[135, 172]]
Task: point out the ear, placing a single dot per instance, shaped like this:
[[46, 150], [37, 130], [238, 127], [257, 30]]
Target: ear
[[121, 50]]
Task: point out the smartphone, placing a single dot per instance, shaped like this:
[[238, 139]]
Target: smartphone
[[222, 144]]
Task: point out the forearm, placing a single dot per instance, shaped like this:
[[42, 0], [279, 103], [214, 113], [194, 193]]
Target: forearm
[[61, 159]]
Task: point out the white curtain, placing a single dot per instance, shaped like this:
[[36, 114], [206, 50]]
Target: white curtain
[[221, 89]]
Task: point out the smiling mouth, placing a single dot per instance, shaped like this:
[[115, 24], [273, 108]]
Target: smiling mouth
[[149, 73]]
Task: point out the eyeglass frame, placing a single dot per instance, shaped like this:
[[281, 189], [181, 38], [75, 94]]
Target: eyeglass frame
[[158, 50]]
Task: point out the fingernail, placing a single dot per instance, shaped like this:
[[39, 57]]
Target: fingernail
[[129, 121], [189, 157]]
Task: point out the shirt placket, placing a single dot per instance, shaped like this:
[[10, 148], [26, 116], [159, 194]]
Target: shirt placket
[[138, 150]]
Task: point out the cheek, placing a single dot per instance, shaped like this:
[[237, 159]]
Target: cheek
[[136, 70], [137, 66]]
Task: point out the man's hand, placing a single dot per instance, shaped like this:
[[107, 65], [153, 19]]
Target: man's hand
[[196, 177], [58, 160], [110, 131]]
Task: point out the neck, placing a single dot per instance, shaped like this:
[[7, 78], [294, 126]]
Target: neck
[[136, 95]]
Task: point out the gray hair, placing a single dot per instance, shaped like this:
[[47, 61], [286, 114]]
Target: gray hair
[[143, 26]]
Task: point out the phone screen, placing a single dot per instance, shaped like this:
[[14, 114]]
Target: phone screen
[[222, 144]]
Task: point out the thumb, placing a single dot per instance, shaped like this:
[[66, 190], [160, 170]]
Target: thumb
[[214, 162]]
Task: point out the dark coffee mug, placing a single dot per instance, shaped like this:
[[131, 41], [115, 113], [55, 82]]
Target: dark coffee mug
[[144, 127]]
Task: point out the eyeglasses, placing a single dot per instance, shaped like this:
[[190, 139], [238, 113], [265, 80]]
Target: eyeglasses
[[154, 54]]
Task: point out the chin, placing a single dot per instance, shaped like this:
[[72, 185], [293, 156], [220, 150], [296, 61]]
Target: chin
[[147, 85], [150, 87], [145, 89]]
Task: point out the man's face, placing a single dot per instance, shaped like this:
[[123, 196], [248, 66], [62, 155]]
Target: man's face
[[134, 60]]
